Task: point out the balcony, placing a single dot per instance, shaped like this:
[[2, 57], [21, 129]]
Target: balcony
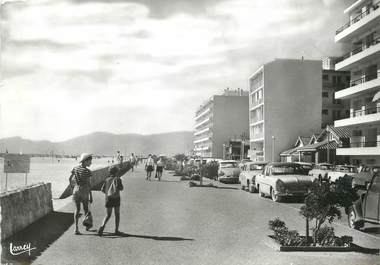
[[361, 117], [369, 83], [360, 148], [359, 55], [358, 24], [202, 114], [256, 104], [205, 121], [205, 139], [257, 137]]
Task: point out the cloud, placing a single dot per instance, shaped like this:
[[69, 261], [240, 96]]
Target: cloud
[[71, 64]]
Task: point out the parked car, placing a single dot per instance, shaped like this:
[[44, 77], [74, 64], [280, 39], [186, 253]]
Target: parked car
[[248, 175], [243, 162], [365, 175], [228, 171], [321, 170], [341, 170], [366, 208], [306, 166], [280, 180]]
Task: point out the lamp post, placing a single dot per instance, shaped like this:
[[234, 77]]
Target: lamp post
[[273, 147]]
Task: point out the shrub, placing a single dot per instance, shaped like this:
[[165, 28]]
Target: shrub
[[326, 236], [282, 234]]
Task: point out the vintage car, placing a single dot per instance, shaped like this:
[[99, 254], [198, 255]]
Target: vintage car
[[280, 180], [228, 171], [365, 175], [248, 175], [341, 170], [243, 162], [366, 208], [307, 166], [321, 170]]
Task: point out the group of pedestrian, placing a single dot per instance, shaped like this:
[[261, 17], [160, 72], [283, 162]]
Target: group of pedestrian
[[149, 167], [81, 179]]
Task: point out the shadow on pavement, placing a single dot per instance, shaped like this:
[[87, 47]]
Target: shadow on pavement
[[40, 235], [371, 230], [226, 188], [160, 238], [365, 250]]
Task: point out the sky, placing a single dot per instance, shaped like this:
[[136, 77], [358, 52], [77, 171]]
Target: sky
[[73, 67]]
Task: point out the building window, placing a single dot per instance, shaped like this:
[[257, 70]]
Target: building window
[[325, 112], [325, 94], [356, 133], [334, 80], [325, 77], [348, 79]]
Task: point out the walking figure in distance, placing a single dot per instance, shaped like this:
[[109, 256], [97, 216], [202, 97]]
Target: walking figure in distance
[[159, 168], [81, 177], [132, 160], [111, 188], [149, 167]]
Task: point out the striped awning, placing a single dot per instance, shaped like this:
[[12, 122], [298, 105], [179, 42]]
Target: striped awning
[[341, 132], [289, 152], [318, 146]]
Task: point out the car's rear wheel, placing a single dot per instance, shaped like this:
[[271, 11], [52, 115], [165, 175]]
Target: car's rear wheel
[[351, 217], [242, 186], [274, 196], [252, 189]]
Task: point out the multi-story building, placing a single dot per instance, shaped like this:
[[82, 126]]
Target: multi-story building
[[332, 81], [284, 101], [218, 120], [362, 34]]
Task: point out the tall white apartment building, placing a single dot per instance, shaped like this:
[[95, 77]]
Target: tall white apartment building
[[284, 101], [219, 119], [362, 33]]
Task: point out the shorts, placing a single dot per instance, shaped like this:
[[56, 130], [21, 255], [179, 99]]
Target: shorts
[[149, 168], [81, 195], [112, 202], [159, 169]]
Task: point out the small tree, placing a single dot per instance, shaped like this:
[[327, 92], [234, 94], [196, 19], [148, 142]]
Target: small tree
[[323, 202]]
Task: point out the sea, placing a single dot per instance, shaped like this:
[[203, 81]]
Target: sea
[[46, 169]]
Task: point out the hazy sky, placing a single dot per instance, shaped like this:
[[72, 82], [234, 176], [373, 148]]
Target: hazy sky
[[70, 68]]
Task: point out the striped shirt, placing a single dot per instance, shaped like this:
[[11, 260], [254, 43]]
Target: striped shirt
[[82, 176]]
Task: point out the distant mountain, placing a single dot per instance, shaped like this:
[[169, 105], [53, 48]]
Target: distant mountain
[[103, 143]]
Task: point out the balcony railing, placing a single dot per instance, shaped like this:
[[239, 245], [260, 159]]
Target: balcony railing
[[361, 144], [256, 102], [358, 50], [362, 80], [357, 18], [357, 113]]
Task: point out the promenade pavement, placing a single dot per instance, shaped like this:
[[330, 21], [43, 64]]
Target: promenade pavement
[[168, 222]]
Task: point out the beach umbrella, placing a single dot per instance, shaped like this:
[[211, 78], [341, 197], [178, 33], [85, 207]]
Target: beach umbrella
[[376, 97]]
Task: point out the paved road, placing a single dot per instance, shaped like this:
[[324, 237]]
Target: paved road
[[168, 222]]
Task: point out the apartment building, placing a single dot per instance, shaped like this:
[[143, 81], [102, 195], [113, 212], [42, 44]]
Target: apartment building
[[219, 119], [362, 34], [284, 101], [332, 81]]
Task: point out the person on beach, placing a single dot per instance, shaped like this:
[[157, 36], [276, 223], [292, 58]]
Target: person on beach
[[111, 188], [81, 177], [149, 167], [159, 168]]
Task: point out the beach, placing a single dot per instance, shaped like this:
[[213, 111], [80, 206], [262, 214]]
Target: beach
[[47, 169]]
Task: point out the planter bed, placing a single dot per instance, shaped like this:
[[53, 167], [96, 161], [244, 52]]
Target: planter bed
[[352, 247]]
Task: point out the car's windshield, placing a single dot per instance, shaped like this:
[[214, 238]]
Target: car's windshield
[[228, 164], [256, 167], [348, 169], [287, 170], [326, 167]]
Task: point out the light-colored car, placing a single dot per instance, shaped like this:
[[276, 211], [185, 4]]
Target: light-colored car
[[365, 175], [228, 171], [280, 180], [243, 162], [248, 175], [321, 170], [341, 170], [366, 208]]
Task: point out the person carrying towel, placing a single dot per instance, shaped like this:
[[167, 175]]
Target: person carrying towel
[[111, 188], [81, 177]]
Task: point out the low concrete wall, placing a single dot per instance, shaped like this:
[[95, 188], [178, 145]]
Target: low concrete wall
[[21, 207]]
